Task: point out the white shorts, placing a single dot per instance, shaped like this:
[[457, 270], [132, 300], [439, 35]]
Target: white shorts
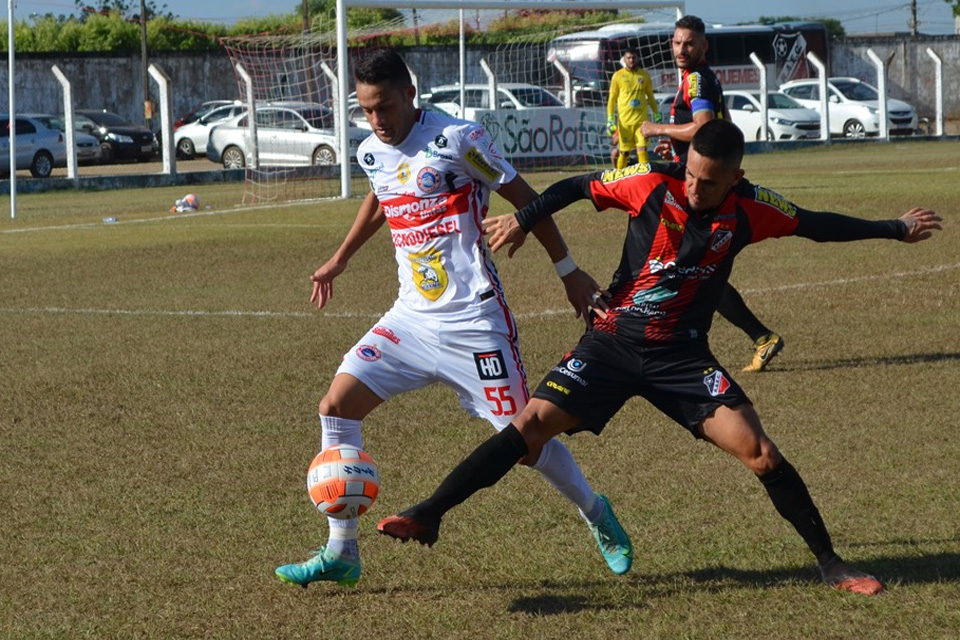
[[479, 359]]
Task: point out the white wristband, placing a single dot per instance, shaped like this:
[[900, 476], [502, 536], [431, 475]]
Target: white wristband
[[565, 267]]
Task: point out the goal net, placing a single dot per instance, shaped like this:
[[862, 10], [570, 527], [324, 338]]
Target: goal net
[[535, 76]]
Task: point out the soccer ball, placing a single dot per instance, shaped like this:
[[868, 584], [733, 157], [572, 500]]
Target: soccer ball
[[343, 481]]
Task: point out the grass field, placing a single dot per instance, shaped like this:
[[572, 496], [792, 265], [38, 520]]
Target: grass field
[[160, 377]]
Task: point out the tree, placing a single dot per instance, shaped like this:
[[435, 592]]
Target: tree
[[834, 26], [956, 6]]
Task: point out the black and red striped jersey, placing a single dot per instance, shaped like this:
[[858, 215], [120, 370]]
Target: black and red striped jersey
[[675, 263], [700, 90]]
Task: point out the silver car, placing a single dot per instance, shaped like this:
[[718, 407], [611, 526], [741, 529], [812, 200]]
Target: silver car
[[39, 148], [191, 139], [88, 147], [288, 135]]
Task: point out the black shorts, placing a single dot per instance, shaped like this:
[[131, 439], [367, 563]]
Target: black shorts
[[594, 380]]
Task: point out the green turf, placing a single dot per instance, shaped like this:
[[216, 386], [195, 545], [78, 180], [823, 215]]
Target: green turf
[[160, 377]]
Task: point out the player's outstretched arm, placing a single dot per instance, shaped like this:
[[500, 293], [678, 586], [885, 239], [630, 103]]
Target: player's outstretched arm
[[921, 224], [582, 290], [369, 218]]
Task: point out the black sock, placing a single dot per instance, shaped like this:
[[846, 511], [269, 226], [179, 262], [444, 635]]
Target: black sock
[[483, 468], [792, 500], [735, 310]]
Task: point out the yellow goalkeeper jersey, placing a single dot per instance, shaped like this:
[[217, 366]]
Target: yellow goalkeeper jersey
[[631, 96]]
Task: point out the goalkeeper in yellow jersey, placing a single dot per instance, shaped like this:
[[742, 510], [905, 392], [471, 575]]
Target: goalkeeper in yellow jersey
[[630, 104]]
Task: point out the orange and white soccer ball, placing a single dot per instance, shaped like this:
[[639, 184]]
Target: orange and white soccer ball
[[343, 481]]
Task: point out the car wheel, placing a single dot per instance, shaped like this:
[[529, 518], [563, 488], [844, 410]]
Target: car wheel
[[854, 129], [324, 156], [42, 165], [233, 158], [185, 148], [106, 153]]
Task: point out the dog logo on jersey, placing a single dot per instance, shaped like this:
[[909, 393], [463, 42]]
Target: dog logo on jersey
[[440, 141], [368, 159], [428, 180], [428, 274], [490, 365], [368, 352], [403, 173], [720, 240], [716, 383]]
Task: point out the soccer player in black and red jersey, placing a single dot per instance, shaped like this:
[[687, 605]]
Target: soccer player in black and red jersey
[[649, 337], [700, 99]]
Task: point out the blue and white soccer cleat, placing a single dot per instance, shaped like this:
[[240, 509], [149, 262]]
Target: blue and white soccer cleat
[[613, 541], [324, 565]]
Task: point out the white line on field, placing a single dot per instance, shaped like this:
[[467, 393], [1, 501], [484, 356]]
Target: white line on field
[[546, 313]]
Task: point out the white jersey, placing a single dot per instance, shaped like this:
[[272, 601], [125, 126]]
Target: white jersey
[[434, 188]]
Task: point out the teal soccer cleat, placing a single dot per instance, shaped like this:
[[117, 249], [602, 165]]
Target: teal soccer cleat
[[324, 565], [613, 541]]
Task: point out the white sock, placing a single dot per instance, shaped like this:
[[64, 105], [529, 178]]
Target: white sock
[[343, 533], [557, 465]]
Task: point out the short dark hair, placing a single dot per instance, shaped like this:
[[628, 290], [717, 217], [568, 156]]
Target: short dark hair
[[383, 66], [691, 22], [632, 50], [719, 140]]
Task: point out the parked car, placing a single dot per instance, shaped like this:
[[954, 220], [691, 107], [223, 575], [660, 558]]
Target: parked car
[[787, 119], [510, 95], [199, 111], [853, 107], [191, 138], [119, 138], [39, 148], [88, 147], [288, 135]]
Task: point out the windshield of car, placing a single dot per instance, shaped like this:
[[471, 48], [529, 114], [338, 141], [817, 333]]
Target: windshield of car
[[106, 118], [780, 101], [855, 90], [535, 97], [318, 118]]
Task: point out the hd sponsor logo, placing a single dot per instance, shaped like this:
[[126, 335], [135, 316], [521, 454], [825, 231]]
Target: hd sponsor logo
[[490, 365], [386, 333], [440, 141], [559, 387], [476, 159], [613, 175], [716, 383]]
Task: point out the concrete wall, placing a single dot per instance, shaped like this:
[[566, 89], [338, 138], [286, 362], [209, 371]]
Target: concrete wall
[[910, 72], [115, 82]]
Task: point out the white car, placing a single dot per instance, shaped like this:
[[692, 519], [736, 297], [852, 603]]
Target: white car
[[288, 135], [787, 119], [510, 95], [853, 107], [191, 139]]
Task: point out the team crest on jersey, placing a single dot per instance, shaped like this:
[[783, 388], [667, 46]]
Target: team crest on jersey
[[403, 173], [490, 365], [776, 201], [428, 274], [721, 239], [368, 159], [368, 352], [428, 180], [717, 383], [440, 141]]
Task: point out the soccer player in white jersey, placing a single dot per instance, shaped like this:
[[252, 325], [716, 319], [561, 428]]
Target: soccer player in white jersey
[[430, 181]]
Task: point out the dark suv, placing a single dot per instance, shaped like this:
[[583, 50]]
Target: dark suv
[[119, 138]]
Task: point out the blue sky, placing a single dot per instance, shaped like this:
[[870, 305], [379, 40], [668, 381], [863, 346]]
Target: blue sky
[[857, 16]]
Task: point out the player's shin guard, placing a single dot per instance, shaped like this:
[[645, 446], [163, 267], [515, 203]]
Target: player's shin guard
[[483, 468], [343, 533], [792, 500], [557, 465]]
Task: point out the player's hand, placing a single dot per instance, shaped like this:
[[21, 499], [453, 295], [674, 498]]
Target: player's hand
[[585, 295], [503, 230], [611, 125], [664, 150], [322, 280], [648, 129], [920, 224]]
